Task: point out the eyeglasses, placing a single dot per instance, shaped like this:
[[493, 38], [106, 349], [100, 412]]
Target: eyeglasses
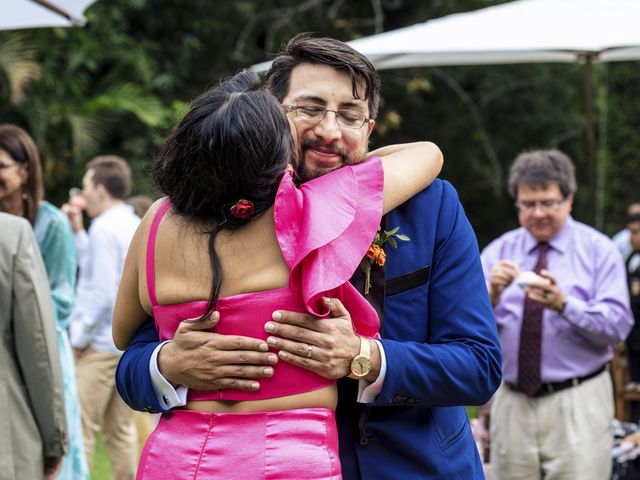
[[314, 113], [545, 205]]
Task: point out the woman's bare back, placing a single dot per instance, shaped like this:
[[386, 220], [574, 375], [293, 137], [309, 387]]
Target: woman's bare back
[[250, 258], [251, 262]]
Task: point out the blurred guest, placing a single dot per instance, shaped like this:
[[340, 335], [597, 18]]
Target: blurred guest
[[74, 208], [622, 239], [106, 184], [21, 193], [632, 263], [32, 412], [140, 204], [561, 304]]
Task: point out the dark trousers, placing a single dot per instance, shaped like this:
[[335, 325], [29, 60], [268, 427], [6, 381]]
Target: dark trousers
[[633, 357], [633, 360]]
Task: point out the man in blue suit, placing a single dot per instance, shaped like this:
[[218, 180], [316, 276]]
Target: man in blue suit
[[404, 417]]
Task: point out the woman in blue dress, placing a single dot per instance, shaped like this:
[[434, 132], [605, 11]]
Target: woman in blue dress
[[21, 193]]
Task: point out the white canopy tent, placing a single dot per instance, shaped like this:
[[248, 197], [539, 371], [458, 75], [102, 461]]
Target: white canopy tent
[[19, 14], [522, 31]]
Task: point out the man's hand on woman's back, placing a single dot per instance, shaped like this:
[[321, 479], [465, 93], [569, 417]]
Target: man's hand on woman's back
[[201, 359]]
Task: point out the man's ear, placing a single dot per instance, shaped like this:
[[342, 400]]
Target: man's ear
[[102, 191], [570, 201], [372, 123]]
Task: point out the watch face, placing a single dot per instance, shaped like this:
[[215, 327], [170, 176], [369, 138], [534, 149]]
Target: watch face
[[360, 366]]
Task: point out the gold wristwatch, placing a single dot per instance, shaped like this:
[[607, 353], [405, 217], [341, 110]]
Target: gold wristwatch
[[361, 363]]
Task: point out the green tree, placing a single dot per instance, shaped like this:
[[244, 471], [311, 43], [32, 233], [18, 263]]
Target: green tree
[[119, 83]]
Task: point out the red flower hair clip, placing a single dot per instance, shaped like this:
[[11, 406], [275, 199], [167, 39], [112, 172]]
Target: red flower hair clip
[[243, 208]]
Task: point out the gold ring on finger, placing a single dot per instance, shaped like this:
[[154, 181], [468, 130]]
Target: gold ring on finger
[[309, 350]]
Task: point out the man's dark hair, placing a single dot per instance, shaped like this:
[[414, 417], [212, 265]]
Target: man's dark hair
[[304, 48], [234, 143], [113, 173], [539, 168]]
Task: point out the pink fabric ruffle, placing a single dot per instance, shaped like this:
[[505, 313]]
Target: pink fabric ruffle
[[325, 228]]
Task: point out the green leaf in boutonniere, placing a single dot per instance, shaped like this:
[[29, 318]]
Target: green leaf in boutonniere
[[376, 254]]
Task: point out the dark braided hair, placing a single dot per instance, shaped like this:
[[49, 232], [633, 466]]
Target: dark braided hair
[[234, 143]]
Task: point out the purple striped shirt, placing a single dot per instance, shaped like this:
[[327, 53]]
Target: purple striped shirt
[[591, 274]]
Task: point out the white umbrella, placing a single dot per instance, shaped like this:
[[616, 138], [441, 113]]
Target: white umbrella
[[19, 14], [523, 31]]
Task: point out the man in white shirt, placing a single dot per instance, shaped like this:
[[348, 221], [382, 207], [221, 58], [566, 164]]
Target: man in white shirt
[[106, 184]]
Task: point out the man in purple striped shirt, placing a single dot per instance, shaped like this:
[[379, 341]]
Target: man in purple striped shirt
[[559, 293]]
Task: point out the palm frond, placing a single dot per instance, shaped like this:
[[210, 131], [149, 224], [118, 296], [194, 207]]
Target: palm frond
[[86, 135], [130, 98], [18, 63]]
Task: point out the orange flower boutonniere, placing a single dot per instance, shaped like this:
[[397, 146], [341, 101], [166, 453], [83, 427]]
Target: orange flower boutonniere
[[376, 255]]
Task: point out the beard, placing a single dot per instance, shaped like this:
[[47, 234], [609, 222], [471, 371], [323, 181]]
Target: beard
[[304, 172]]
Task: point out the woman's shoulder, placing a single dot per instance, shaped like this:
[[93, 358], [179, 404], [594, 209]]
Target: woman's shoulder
[[153, 211], [342, 186], [369, 172], [50, 217], [49, 211]]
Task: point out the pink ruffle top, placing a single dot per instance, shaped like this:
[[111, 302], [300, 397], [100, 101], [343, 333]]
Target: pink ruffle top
[[324, 229]]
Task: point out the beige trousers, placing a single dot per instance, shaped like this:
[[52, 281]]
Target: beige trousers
[[562, 436], [145, 423], [102, 408]]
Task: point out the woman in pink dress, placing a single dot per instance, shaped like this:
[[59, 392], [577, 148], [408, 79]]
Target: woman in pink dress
[[236, 238]]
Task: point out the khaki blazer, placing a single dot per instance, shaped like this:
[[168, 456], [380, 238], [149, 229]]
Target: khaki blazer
[[32, 418]]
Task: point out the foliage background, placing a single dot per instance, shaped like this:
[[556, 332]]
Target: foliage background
[[118, 84]]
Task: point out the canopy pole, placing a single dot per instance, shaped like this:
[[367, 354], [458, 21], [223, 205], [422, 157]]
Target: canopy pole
[[591, 140], [601, 84], [57, 10]]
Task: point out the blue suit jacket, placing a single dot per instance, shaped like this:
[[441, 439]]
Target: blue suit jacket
[[441, 345]]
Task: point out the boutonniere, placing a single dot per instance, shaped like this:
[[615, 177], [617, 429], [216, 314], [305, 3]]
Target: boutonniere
[[376, 255]]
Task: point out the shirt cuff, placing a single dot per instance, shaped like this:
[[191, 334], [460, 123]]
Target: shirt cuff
[[573, 310], [576, 313], [167, 396], [367, 392]]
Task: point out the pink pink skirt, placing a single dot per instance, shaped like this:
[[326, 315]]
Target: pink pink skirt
[[286, 444]]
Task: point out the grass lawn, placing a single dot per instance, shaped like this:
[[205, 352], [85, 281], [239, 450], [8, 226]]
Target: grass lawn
[[101, 468]]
